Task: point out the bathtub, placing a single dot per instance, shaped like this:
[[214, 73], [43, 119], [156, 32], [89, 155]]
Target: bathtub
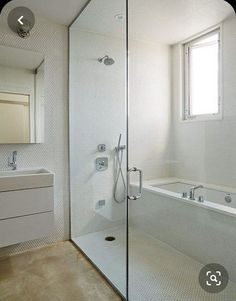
[[218, 198], [204, 231]]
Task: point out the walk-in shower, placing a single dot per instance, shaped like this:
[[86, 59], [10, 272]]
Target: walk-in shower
[[161, 121]]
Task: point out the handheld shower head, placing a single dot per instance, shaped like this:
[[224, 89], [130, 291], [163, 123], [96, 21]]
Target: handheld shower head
[[119, 141], [120, 147], [106, 60]]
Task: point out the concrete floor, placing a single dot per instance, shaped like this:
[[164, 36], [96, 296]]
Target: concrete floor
[[55, 273]]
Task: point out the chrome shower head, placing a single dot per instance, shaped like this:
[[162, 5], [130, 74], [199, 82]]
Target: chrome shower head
[[21, 20], [106, 60], [24, 30]]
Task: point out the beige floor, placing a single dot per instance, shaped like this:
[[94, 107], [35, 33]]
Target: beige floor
[[57, 273]]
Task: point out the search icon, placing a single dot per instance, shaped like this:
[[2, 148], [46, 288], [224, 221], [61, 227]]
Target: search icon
[[213, 278]]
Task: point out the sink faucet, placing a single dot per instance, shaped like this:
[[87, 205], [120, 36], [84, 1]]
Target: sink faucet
[[192, 191], [12, 163]]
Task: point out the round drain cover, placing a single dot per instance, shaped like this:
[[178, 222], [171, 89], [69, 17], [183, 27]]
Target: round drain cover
[[110, 238]]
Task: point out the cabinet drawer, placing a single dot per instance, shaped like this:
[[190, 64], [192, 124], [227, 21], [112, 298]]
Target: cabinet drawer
[[25, 202], [20, 229]]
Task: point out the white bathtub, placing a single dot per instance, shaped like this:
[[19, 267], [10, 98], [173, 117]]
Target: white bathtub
[[205, 231], [214, 197]]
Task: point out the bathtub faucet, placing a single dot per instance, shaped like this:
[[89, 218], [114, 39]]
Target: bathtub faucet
[[12, 163], [192, 191]]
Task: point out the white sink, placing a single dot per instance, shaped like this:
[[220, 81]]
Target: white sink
[[25, 179]]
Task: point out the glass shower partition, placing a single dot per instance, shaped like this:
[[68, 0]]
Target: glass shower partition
[[182, 125], [178, 227], [98, 135]]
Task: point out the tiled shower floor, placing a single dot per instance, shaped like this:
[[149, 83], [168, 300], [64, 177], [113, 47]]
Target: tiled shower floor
[[157, 271]]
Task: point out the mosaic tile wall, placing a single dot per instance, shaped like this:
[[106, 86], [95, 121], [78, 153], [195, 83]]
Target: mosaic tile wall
[[52, 40]]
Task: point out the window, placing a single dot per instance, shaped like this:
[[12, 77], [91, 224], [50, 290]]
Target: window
[[202, 77]]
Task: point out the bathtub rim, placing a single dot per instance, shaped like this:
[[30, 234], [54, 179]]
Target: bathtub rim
[[222, 209]]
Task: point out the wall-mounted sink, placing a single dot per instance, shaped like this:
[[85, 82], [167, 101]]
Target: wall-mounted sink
[[25, 179]]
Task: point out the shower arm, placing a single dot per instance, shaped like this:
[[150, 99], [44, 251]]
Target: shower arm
[[102, 58]]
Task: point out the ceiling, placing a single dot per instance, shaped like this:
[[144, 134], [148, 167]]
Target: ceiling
[[166, 21], [171, 21]]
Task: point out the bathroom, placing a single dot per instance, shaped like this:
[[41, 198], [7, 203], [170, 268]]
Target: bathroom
[[117, 153]]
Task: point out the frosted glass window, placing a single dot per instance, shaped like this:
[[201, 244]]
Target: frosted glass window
[[202, 77]]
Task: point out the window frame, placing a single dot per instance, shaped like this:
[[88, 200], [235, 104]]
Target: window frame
[[186, 103]]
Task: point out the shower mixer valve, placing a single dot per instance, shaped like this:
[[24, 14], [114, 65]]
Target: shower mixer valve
[[101, 164]]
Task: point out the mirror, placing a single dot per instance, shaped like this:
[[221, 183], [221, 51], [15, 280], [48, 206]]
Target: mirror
[[21, 96]]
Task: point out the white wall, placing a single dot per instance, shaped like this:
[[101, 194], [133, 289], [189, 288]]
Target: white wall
[[40, 102], [205, 151], [50, 39], [150, 108], [97, 116]]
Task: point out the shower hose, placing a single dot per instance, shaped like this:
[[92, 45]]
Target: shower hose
[[119, 176]]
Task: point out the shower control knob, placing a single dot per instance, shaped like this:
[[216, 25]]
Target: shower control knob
[[101, 148]]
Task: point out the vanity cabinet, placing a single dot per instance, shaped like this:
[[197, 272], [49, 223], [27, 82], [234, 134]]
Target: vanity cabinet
[[27, 213]]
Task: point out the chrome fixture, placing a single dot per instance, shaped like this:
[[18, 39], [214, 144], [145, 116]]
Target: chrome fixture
[[120, 147], [23, 30], [120, 17], [138, 196], [21, 20], [101, 164], [101, 148], [228, 198], [119, 152], [201, 199], [100, 204], [192, 191], [106, 60], [12, 163]]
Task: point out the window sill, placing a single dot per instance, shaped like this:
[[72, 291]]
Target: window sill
[[202, 118]]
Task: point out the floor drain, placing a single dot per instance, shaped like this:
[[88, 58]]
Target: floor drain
[[110, 238]]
